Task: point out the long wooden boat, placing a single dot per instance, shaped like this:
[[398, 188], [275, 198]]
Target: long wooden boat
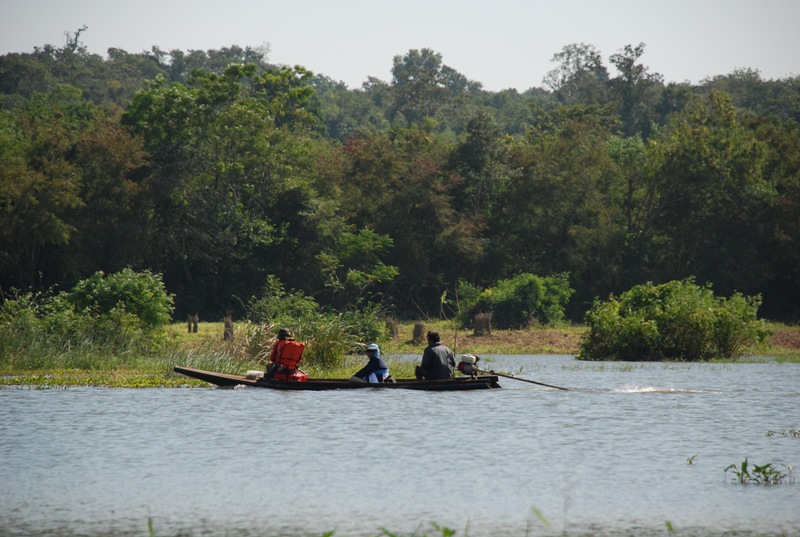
[[229, 381]]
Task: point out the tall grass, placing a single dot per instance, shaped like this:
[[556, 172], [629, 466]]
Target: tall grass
[[39, 332], [39, 349]]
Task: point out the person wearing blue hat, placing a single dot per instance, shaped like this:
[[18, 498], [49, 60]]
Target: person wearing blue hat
[[376, 369]]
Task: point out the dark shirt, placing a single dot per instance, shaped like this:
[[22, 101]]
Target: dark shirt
[[437, 362], [375, 363]]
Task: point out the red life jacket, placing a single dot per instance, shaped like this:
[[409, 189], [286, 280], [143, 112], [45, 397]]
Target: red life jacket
[[289, 353]]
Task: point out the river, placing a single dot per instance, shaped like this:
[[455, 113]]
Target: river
[[630, 450]]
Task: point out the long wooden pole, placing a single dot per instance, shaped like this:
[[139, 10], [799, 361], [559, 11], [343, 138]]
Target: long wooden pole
[[524, 380]]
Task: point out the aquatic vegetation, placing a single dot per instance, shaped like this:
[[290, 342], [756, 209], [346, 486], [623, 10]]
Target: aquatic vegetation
[[600, 367], [690, 460], [539, 515], [441, 530], [766, 474], [791, 432], [678, 320]]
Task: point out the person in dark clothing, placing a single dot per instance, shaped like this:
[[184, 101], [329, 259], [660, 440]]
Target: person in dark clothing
[[376, 369], [437, 360]]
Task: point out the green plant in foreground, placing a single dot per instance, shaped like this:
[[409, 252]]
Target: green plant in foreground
[[538, 512], [690, 460], [766, 474], [444, 531]]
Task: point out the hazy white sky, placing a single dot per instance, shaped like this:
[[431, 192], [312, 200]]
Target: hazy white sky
[[500, 43]]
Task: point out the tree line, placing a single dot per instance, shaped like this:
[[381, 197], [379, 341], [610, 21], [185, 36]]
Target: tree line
[[233, 177]]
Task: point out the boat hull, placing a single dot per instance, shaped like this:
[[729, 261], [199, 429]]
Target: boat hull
[[229, 381]]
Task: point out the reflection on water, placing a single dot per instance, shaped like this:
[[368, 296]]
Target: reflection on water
[[609, 457]]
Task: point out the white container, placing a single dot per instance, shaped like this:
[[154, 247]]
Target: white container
[[469, 359]]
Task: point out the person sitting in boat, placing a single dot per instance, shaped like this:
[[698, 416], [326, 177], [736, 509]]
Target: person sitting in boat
[[285, 355], [376, 369], [437, 360]]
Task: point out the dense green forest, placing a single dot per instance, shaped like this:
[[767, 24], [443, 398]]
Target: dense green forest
[[233, 177]]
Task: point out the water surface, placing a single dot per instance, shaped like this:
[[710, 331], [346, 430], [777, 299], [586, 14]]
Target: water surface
[[609, 457]]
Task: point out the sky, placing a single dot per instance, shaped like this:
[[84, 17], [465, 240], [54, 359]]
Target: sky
[[500, 43]]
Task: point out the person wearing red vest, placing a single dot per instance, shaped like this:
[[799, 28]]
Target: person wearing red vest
[[285, 355]]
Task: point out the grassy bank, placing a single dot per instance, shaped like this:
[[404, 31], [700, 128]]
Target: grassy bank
[[207, 349]]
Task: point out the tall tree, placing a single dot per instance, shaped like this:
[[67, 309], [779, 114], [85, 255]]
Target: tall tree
[[636, 90], [478, 159], [749, 91], [39, 185], [561, 209], [418, 85], [712, 196], [778, 224], [580, 77], [346, 112], [229, 181], [422, 85]]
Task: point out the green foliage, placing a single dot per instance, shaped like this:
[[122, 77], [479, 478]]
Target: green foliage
[[467, 294], [328, 339], [39, 182], [138, 294], [276, 305], [766, 474], [708, 176], [635, 90], [214, 167], [422, 85], [561, 209], [795, 433], [520, 301], [353, 265], [580, 76], [678, 320], [329, 336], [102, 322]]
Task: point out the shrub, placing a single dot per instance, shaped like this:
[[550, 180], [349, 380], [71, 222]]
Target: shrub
[[328, 335], [520, 301], [328, 340], [678, 320], [276, 305], [124, 298], [367, 324], [109, 319]]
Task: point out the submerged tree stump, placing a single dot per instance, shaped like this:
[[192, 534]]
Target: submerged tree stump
[[393, 327], [483, 324], [419, 333], [228, 335]]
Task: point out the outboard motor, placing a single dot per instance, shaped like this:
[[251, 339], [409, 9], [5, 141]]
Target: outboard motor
[[468, 365]]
